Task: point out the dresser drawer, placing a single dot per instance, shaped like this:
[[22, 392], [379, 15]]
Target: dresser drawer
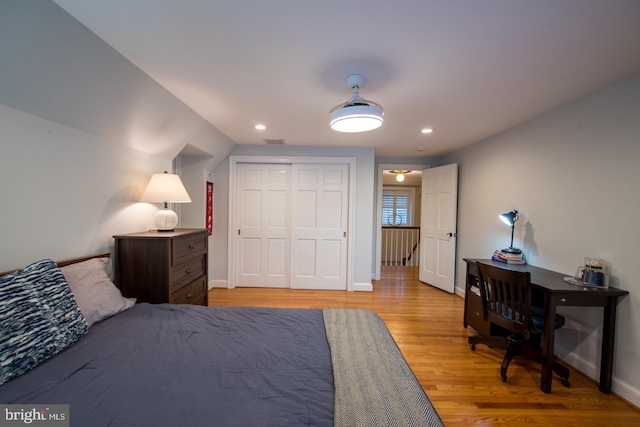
[[184, 248], [193, 293], [186, 272]]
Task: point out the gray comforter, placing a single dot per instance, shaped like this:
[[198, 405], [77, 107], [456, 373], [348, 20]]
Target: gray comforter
[[172, 365]]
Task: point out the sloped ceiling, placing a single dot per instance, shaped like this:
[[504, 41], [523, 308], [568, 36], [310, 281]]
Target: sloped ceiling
[[467, 68]]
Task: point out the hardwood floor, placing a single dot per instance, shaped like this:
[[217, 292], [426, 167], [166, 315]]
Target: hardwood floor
[[464, 386]]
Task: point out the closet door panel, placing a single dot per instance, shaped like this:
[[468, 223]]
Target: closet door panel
[[319, 226], [263, 206]]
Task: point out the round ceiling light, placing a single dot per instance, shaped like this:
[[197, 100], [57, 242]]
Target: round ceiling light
[[399, 174], [356, 114]]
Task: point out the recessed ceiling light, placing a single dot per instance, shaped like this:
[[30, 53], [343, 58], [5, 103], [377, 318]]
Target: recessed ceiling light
[[426, 130], [260, 127]]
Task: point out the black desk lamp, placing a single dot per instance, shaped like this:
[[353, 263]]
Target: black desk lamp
[[510, 219]]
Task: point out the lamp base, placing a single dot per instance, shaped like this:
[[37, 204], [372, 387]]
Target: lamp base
[[165, 220], [511, 250]]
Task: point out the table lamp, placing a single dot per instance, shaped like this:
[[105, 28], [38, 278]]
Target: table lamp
[[165, 188], [510, 219]]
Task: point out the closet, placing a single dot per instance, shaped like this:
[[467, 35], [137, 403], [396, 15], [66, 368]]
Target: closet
[[290, 223]]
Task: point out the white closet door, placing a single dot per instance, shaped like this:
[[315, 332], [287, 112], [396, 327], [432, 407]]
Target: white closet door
[[319, 219], [263, 206]]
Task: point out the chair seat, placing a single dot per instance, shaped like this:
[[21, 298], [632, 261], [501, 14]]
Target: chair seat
[[537, 318]]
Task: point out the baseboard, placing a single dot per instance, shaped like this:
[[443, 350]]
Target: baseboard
[[366, 287], [626, 392], [459, 292], [218, 284], [621, 388]]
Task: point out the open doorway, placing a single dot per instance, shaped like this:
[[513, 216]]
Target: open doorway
[[398, 216]]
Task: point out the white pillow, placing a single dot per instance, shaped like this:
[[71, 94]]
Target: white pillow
[[96, 295]]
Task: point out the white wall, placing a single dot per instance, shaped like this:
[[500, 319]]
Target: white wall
[[573, 174], [194, 172], [98, 114], [64, 192], [364, 204]]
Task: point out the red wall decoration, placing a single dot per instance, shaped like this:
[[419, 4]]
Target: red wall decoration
[[209, 207]]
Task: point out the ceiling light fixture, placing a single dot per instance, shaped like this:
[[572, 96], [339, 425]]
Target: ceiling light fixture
[[260, 127], [356, 114], [399, 174], [427, 130]]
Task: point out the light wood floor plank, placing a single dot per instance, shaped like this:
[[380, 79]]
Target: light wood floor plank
[[464, 386]]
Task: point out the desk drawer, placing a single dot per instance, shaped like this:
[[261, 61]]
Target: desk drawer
[[193, 293], [184, 273], [475, 314]]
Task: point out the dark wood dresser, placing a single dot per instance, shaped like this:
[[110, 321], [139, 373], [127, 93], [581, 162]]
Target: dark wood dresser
[[160, 267]]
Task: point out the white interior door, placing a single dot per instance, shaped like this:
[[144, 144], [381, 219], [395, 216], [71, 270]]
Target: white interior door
[[438, 226], [319, 226], [263, 206]]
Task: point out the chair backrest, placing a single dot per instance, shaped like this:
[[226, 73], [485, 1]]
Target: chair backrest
[[506, 297]]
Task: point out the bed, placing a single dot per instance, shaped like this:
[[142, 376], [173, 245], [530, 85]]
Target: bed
[[70, 338]]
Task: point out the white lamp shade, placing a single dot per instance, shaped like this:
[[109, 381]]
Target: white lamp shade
[[165, 188]]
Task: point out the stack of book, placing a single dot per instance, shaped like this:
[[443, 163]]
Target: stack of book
[[507, 258]]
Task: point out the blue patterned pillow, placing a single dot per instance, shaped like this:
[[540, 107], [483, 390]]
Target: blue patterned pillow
[[38, 318]]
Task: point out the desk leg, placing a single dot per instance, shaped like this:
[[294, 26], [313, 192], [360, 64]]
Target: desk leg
[[608, 338], [548, 343]]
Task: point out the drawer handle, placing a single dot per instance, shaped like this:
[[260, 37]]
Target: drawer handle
[[563, 300], [192, 246], [189, 295], [188, 271]]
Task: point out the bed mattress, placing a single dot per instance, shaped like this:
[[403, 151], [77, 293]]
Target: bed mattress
[[173, 365]]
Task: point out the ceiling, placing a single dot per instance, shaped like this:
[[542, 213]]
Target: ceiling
[[467, 68]]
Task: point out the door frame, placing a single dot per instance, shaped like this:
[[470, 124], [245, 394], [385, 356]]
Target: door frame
[[232, 223], [378, 234]]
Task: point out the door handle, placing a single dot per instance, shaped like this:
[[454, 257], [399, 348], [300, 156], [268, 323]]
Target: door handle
[[452, 234]]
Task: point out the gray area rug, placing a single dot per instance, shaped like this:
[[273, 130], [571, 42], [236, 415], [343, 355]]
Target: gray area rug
[[374, 384]]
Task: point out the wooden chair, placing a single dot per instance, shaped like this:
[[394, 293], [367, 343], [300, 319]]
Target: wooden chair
[[506, 298]]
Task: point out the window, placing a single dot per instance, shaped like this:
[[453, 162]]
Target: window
[[397, 206]]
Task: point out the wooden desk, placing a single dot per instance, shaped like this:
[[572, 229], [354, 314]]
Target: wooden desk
[[554, 292]]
